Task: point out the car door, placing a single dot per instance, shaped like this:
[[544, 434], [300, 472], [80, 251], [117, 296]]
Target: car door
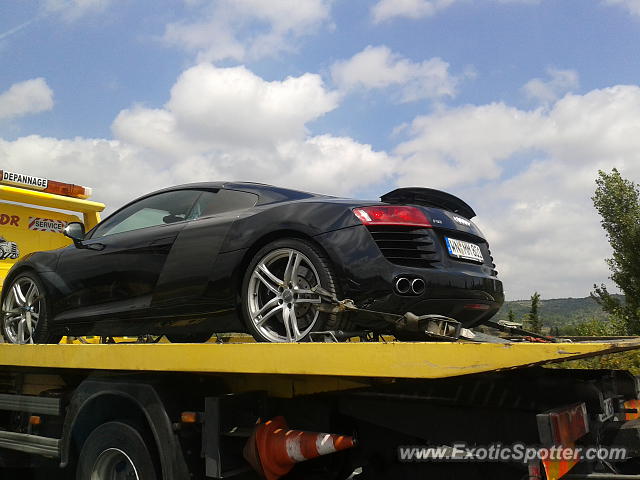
[[193, 263], [116, 272]]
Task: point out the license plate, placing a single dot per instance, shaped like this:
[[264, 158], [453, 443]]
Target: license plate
[[466, 250]]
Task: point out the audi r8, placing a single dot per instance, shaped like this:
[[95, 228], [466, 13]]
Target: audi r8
[[193, 260]]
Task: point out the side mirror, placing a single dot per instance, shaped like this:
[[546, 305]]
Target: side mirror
[[171, 218], [75, 231]]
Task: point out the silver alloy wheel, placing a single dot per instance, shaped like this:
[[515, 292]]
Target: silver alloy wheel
[[114, 464], [281, 303], [21, 309]]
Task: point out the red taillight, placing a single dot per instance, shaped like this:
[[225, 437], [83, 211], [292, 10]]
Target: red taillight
[[392, 215]]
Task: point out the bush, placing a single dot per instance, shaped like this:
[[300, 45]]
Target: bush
[[595, 328], [615, 361]]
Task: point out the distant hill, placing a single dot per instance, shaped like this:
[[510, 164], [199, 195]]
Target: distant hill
[[555, 312]]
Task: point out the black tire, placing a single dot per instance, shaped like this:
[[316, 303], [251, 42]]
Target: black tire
[[116, 445], [189, 337], [41, 333], [327, 280]]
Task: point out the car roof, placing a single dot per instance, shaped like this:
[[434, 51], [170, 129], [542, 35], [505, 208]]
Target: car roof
[[267, 193]]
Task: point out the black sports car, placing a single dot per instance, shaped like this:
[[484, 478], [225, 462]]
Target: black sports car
[[198, 259]]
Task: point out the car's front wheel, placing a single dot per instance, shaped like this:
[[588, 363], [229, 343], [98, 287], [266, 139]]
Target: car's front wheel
[[25, 311], [279, 302]]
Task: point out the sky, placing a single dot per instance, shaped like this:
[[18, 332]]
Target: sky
[[512, 105]]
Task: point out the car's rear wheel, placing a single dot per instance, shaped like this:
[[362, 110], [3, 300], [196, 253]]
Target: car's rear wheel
[[25, 311], [279, 303]]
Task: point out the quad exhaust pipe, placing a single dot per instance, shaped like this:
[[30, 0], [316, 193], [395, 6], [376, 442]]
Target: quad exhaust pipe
[[409, 286], [403, 285], [417, 286]]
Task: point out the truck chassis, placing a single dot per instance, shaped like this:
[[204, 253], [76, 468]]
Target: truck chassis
[[189, 411]]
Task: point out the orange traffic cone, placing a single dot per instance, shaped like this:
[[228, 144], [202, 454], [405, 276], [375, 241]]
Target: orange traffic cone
[[273, 449]]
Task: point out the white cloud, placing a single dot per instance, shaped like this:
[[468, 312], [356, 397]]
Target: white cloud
[[71, 10], [219, 124], [116, 171], [558, 83], [530, 175], [233, 105], [336, 165], [241, 125], [23, 98], [217, 107], [241, 29], [467, 143], [378, 68], [633, 6], [388, 9]]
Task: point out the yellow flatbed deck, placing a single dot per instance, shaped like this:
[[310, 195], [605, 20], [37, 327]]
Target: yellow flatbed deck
[[371, 360]]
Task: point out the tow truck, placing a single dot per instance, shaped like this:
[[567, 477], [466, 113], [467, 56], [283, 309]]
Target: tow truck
[[461, 407]]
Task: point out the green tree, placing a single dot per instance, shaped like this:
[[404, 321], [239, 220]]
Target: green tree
[[617, 200], [533, 318], [511, 317]]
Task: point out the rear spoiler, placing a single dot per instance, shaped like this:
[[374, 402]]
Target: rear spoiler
[[428, 197]]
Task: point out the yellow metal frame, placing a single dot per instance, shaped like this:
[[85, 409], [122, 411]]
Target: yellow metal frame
[[90, 210], [377, 360]]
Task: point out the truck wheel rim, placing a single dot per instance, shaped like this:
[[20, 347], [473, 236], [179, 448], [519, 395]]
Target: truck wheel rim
[[114, 464], [22, 309], [281, 303]]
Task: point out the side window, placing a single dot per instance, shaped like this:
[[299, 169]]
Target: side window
[[212, 203], [161, 209]]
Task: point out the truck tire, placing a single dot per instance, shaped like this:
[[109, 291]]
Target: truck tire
[[116, 447], [19, 325], [269, 296]]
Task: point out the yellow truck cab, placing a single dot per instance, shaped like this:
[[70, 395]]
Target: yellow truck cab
[[33, 213]]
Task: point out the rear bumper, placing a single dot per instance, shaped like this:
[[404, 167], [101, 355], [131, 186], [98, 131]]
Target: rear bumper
[[368, 278]]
